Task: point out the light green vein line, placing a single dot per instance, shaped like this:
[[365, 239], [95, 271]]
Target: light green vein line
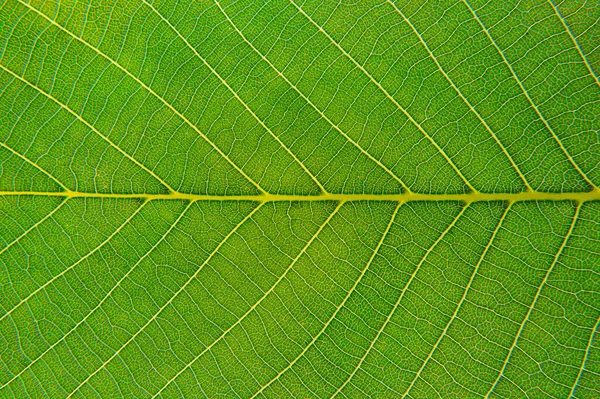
[[146, 87], [457, 90], [336, 127], [340, 306], [526, 93], [108, 294], [388, 96], [38, 223], [252, 308], [406, 286], [574, 40], [593, 195], [534, 302], [33, 164], [89, 126], [460, 302], [588, 349], [47, 283], [214, 72], [232, 232]]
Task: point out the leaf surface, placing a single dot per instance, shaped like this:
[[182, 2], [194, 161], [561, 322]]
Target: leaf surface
[[299, 199]]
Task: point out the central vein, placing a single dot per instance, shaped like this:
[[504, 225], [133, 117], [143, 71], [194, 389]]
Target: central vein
[[401, 197]]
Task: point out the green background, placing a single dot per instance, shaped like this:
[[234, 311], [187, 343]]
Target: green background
[[299, 199]]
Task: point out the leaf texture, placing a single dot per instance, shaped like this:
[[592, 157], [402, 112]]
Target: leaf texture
[[299, 199]]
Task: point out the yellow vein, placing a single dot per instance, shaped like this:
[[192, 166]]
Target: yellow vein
[[526, 93], [389, 97], [33, 164], [588, 349], [232, 232], [89, 126], [214, 72], [251, 309], [336, 127], [593, 195], [406, 286], [456, 89], [460, 302], [340, 306], [574, 40], [146, 87], [38, 223], [534, 302], [53, 279]]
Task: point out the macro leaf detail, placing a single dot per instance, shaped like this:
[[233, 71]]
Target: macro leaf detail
[[299, 199]]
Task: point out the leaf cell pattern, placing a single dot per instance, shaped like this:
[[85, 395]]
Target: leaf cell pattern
[[299, 199]]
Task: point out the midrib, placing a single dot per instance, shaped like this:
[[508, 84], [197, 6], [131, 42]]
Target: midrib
[[403, 197]]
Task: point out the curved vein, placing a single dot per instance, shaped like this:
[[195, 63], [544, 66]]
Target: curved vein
[[147, 88], [246, 106], [406, 286], [338, 308], [336, 127], [388, 96], [575, 43], [526, 93], [457, 90], [588, 349], [253, 307], [182, 288], [83, 320], [534, 302], [47, 283], [460, 302], [89, 126], [33, 164], [39, 222]]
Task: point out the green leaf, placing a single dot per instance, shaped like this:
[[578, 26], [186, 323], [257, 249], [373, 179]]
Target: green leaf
[[299, 199]]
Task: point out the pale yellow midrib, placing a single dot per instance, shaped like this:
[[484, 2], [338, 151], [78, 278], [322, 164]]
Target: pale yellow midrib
[[400, 197]]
